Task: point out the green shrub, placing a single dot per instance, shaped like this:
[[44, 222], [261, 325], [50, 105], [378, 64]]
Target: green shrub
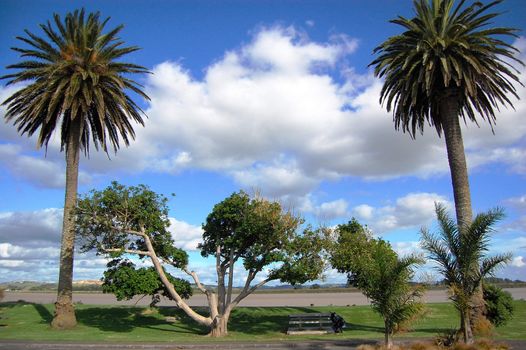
[[499, 305]]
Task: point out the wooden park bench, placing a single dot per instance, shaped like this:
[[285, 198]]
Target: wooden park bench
[[311, 323]]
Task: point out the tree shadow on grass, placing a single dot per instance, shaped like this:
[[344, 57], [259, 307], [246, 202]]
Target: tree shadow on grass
[[117, 319], [43, 312], [126, 319], [363, 327], [264, 320], [183, 322]]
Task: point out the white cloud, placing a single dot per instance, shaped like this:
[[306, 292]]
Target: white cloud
[[363, 212], [35, 228], [277, 120], [333, 209], [276, 180], [12, 263], [185, 235], [412, 210], [518, 261], [323, 211], [282, 114], [39, 171], [10, 251], [407, 248]]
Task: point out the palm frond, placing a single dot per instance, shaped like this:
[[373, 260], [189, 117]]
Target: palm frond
[[446, 48], [461, 253], [75, 73]]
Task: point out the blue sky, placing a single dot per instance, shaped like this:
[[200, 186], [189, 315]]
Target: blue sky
[[273, 96]]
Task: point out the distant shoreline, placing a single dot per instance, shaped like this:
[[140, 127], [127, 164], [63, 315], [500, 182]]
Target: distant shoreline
[[34, 287]]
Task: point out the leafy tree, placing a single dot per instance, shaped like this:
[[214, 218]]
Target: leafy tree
[[460, 253], [256, 232], [499, 305], [374, 267], [76, 84], [125, 281], [448, 65]]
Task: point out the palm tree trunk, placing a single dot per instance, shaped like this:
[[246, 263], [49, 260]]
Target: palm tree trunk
[[64, 317], [466, 327], [449, 110]]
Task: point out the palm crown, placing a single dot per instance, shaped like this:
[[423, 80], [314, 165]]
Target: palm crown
[[444, 52], [75, 75]]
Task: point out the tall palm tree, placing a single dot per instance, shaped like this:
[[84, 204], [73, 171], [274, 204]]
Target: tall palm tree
[[447, 65], [76, 83], [460, 252]]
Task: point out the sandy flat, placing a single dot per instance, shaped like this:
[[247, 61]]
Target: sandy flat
[[258, 299]]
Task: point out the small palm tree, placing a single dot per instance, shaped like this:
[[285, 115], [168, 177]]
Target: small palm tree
[[447, 65], [76, 85], [460, 253], [381, 275]]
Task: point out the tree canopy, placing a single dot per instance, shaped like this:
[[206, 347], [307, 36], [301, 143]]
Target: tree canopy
[[444, 50], [120, 221]]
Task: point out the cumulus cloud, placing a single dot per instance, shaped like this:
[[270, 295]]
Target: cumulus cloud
[[407, 248], [15, 252], [33, 228], [276, 120], [283, 113], [30, 246], [41, 172], [282, 120], [518, 261], [333, 209], [412, 210], [185, 235], [363, 211]]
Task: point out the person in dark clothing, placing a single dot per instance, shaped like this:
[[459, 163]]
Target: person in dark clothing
[[338, 323]]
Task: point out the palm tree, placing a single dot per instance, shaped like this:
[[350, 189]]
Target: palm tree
[[460, 252], [75, 82], [447, 65]]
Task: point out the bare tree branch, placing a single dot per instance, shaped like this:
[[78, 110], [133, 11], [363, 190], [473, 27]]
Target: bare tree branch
[[196, 280], [129, 251]]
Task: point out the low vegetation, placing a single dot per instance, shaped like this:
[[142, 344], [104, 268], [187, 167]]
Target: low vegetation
[[499, 305]]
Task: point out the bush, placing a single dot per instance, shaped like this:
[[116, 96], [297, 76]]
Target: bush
[[1, 294], [499, 305]]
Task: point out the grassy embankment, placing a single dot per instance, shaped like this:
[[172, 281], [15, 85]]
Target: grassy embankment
[[109, 323]]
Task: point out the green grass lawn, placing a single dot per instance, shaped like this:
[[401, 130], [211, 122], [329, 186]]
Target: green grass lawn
[[110, 323]]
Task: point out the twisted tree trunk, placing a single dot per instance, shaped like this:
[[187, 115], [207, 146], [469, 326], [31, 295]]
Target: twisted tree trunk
[[219, 327]]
